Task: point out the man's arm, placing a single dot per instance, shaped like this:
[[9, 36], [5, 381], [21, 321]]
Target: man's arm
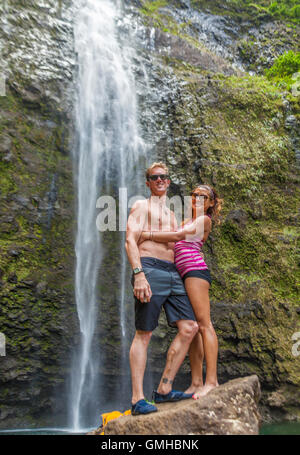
[[136, 220]]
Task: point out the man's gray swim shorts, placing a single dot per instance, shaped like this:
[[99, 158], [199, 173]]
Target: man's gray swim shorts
[[167, 291]]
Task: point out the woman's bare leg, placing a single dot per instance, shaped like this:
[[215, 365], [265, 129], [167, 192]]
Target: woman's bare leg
[[196, 355], [198, 292]]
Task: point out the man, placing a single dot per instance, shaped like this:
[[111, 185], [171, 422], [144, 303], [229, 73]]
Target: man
[[156, 283]]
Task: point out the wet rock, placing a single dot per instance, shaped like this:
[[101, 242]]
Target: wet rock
[[178, 48], [230, 409], [41, 287], [5, 149], [22, 201], [31, 95], [14, 253], [286, 105], [290, 122], [5, 144]]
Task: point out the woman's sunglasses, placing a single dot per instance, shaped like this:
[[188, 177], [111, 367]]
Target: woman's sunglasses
[[199, 196], [155, 177]]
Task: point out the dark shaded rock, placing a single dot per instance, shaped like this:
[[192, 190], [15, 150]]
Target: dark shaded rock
[[238, 216], [12, 278], [232, 408], [27, 283]]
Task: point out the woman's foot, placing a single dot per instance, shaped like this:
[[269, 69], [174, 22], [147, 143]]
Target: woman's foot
[[193, 388], [204, 390]]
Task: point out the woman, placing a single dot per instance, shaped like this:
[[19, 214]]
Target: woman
[[196, 276]]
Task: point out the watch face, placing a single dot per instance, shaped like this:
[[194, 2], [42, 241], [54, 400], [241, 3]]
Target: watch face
[[136, 270]]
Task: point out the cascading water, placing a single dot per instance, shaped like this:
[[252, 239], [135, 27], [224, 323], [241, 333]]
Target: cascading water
[[108, 149]]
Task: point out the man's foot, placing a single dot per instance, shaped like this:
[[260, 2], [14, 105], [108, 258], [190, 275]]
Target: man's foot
[[142, 407], [171, 396], [204, 390]]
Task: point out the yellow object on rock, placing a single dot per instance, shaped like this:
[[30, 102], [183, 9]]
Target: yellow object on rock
[[106, 417]]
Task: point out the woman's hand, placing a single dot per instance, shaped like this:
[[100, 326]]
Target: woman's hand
[[195, 229], [190, 229]]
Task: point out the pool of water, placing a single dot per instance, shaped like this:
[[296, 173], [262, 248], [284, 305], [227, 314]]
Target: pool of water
[[285, 428]]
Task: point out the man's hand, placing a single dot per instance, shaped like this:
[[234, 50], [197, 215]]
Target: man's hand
[[141, 289]]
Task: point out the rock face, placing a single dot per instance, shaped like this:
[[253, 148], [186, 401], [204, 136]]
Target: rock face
[[37, 314], [230, 409]]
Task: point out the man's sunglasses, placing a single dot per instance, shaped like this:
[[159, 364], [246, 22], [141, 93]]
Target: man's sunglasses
[[155, 177], [199, 196]]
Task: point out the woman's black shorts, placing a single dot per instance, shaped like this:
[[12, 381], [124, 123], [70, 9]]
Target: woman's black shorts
[[204, 274]]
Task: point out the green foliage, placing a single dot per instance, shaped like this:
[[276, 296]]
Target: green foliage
[[284, 68], [150, 7], [280, 9]]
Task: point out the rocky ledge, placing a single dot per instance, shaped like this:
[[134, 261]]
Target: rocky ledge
[[230, 409]]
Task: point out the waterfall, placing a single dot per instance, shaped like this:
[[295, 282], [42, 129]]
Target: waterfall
[[108, 151]]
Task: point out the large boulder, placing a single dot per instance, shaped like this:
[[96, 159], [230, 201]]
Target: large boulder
[[229, 409]]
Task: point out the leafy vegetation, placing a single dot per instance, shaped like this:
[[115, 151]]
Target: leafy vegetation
[[285, 69], [280, 9], [150, 7]]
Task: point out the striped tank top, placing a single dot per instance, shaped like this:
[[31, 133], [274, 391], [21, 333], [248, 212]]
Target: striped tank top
[[187, 255]]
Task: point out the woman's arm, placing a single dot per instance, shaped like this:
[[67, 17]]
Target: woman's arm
[[161, 236], [165, 237]]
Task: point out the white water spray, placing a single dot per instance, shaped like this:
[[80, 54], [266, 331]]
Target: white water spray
[[108, 149]]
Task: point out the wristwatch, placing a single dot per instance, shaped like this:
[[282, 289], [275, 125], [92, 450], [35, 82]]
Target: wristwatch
[[137, 270]]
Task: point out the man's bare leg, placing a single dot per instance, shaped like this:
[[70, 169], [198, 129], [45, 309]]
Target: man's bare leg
[[196, 355], [138, 360], [176, 353]]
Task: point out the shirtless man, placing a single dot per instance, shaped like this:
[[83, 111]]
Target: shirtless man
[[156, 283]]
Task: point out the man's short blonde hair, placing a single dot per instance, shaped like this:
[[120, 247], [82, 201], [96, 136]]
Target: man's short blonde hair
[[158, 164]]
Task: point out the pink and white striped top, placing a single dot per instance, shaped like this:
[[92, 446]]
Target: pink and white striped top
[[187, 255]]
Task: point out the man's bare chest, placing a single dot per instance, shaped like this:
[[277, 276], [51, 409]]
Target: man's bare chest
[[159, 218]]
